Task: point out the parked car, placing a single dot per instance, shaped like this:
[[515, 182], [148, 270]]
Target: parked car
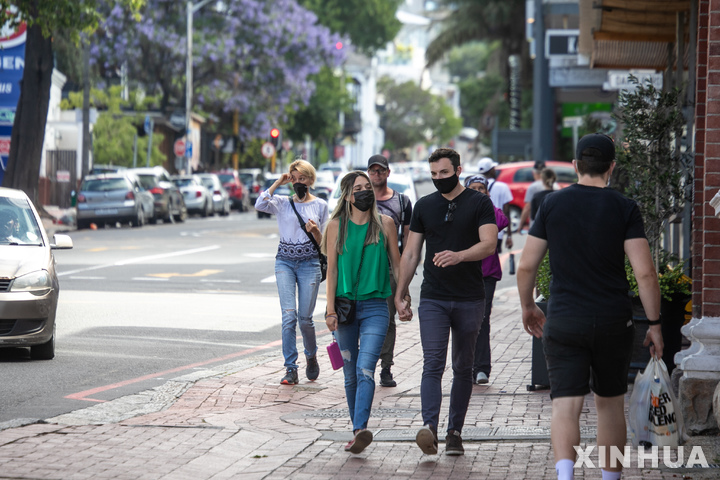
[[97, 169], [197, 197], [239, 194], [324, 184], [169, 202], [29, 285], [399, 182], [220, 196], [253, 179], [337, 169], [281, 190], [518, 176], [112, 198]]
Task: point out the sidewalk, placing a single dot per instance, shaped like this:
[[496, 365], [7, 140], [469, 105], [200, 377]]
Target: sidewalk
[[243, 424]]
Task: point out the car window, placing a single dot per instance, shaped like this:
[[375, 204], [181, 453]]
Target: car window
[[246, 178], [105, 185], [207, 181], [183, 182], [565, 174], [225, 178], [25, 230], [524, 175], [147, 181]]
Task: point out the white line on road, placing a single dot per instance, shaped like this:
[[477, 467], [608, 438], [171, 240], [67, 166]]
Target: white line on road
[[270, 279], [149, 279], [88, 278], [141, 259]]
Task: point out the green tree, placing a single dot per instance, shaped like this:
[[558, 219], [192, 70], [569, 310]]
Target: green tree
[[370, 24], [114, 132], [413, 115], [468, 60], [44, 17]]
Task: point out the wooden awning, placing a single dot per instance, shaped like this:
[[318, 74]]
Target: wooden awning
[[626, 34]]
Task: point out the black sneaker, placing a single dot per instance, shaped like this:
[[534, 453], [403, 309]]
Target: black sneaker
[[453, 443], [313, 369], [290, 378], [386, 378], [427, 440]]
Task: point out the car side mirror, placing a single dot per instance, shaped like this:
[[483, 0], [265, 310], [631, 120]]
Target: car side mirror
[[61, 242]]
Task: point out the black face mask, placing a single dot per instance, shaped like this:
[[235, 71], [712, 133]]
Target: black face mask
[[446, 185], [300, 190], [364, 200]]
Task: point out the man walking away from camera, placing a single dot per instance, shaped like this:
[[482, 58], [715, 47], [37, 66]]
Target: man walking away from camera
[[588, 335]]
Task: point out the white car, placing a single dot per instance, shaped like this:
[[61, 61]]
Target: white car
[[399, 182], [197, 198], [220, 196], [29, 287]]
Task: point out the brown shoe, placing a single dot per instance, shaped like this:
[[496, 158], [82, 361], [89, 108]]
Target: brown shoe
[[427, 440]]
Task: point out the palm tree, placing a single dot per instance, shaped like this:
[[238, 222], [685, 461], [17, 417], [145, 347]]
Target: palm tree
[[483, 20]]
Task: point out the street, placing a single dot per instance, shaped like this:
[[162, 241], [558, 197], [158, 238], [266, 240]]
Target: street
[[139, 307]]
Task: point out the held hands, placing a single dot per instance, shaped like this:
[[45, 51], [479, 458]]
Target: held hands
[[654, 339], [533, 321], [403, 307], [446, 258]]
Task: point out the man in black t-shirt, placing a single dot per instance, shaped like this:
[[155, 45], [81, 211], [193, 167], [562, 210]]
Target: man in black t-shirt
[[589, 333], [398, 207], [458, 227]]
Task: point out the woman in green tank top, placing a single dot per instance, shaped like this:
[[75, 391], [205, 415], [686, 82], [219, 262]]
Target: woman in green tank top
[[359, 242]]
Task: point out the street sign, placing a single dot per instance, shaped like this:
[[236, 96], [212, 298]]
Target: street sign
[[148, 124], [267, 150], [188, 149], [179, 147], [561, 43]]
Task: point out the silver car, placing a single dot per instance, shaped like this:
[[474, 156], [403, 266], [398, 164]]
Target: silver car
[[28, 282], [220, 196], [197, 197], [112, 198]]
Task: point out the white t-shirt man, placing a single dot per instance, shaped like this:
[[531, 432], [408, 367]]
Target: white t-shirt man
[[500, 194]]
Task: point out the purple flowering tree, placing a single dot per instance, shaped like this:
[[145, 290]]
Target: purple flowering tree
[[253, 57]]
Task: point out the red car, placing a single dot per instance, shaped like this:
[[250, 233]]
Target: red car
[[239, 194], [519, 176]]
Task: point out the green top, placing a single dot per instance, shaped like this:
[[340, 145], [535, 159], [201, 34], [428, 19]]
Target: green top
[[375, 275]]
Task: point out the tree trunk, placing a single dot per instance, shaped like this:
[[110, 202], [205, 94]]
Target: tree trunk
[[28, 133]]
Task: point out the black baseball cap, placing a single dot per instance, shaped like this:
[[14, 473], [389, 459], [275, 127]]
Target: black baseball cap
[[539, 165], [600, 142], [378, 160]]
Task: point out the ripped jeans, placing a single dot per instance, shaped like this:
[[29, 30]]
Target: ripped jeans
[[306, 276], [360, 345]]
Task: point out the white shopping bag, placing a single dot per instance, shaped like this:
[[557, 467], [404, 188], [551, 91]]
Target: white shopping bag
[[654, 414]]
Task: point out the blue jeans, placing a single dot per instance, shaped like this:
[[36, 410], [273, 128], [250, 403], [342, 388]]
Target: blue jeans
[[437, 318], [306, 275], [360, 344]]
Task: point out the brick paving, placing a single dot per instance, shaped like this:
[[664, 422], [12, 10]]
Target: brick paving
[[243, 424]]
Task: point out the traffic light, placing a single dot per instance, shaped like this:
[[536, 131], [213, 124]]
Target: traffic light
[[275, 137]]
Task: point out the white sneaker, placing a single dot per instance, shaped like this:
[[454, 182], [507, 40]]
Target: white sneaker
[[481, 378]]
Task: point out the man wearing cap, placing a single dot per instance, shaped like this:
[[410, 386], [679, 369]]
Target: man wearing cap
[[500, 195], [588, 335], [398, 207], [535, 187]]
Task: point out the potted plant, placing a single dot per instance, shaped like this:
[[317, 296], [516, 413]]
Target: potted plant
[[652, 170]]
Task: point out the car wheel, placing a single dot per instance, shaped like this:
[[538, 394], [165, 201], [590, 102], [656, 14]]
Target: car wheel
[[206, 210], [139, 221], [44, 351], [83, 224], [226, 210], [182, 213], [514, 218]]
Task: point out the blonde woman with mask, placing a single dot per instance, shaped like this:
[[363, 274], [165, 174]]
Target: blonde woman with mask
[[359, 242], [297, 266]]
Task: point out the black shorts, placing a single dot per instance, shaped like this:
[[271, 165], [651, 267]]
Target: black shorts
[[585, 354]]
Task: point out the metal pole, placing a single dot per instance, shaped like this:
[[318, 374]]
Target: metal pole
[[188, 80], [149, 149], [135, 151]]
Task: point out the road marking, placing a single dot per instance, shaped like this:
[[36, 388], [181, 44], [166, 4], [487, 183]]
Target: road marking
[[147, 279], [85, 395], [88, 278], [270, 279], [141, 259], [260, 255], [201, 273], [219, 281]]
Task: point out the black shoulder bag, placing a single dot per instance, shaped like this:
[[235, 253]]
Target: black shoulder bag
[[344, 307], [323, 258]]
